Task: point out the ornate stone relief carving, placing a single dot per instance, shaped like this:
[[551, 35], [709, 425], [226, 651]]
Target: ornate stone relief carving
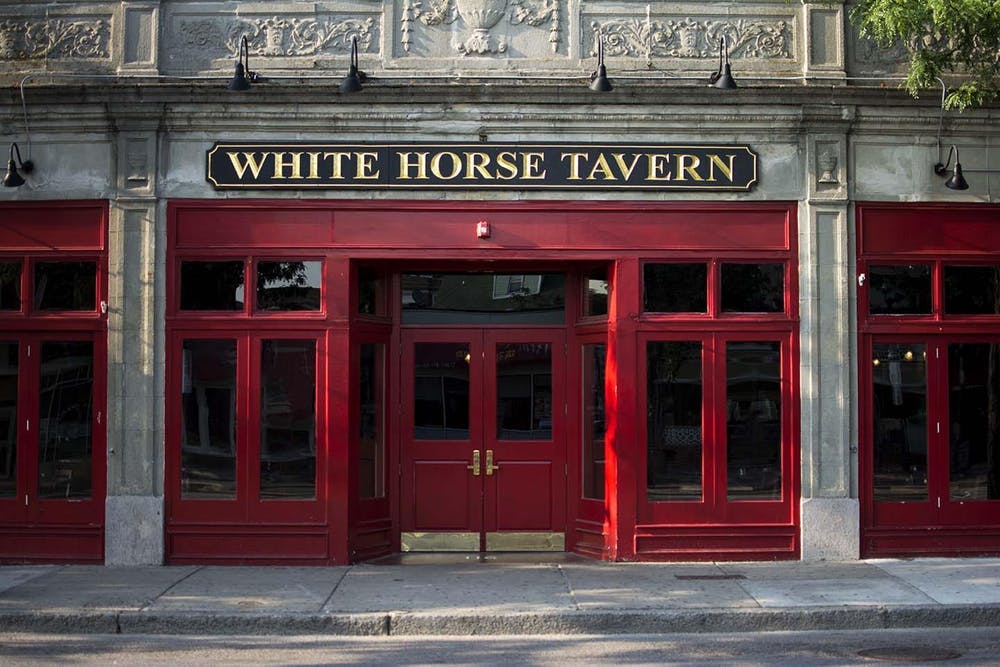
[[280, 37], [56, 38], [481, 16], [870, 51], [693, 38]]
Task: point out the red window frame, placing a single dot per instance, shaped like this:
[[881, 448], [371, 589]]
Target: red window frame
[[714, 329], [935, 235]]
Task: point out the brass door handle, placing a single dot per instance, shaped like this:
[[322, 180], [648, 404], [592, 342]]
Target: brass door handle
[[489, 463], [475, 463]]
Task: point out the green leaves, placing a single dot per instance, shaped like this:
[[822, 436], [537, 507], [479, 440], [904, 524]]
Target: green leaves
[[960, 37]]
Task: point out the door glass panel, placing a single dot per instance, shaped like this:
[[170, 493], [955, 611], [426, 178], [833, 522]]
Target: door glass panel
[[675, 288], [208, 419], [974, 418], [753, 420], [483, 298], [899, 395], [972, 290], [524, 391], [10, 285], [753, 288], [8, 419], [371, 469], [288, 419], [673, 420], [441, 391], [289, 285], [903, 289], [65, 285], [594, 357], [65, 421], [212, 285]]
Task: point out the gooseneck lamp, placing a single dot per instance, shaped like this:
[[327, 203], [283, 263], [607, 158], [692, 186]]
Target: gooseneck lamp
[[599, 80], [12, 179], [723, 78], [243, 77], [956, 181], [352, 82]]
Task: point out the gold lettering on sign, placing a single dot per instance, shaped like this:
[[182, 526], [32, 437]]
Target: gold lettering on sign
[[456, 165], [601, 165], [626, 169], [281, 163], [530, 164], [313, 165], [507, 160], [249, 161], [475, 166], [364, 166], [574, 164], [683, 167], [726, 169], [405, 165], [658, 167]]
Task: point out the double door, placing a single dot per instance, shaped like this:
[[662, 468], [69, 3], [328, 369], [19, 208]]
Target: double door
[[51, 445], [934, 407], [483, 439]]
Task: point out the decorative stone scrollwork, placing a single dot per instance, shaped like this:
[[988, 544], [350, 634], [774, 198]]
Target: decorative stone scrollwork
[[56, 38], [481, 16], [280, 37], [690, 38], [276, 36]]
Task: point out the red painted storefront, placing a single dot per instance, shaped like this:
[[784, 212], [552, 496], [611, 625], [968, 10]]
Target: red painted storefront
[[929, 372], [310, 432], [53, 344]]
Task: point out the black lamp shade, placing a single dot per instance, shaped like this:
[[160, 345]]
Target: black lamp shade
[[957, 180], [351, 82], [240, 81], [601, 83], [12, 179], [725, 80]]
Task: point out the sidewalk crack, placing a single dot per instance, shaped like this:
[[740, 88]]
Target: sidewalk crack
[[336, 585], [166, 590]]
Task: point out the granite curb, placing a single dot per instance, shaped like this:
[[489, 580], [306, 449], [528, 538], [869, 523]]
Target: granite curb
[[604, 622]]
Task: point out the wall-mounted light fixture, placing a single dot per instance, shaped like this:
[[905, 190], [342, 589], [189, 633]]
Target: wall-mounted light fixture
[[12, 179], [599, 80], [956, 181], [243, 77], [352, 82], [723, 78]]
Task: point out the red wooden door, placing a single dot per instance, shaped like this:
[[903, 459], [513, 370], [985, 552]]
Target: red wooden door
[[483, 443], [52, 453]]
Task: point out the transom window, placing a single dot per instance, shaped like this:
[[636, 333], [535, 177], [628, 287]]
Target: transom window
[[278, 285], [713, 288]]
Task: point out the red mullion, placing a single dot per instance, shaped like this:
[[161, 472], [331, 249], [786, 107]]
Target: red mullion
[[90, 510], [100, 286], [673, 512], [303, 511], [758, 511], [899, 514], [379, 507], [938, 427], [714, 305], [199, 510]]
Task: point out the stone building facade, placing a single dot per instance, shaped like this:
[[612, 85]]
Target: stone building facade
[[118, 106]]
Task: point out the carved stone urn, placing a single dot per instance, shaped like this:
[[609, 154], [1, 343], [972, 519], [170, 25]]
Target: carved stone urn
[[481, 15]]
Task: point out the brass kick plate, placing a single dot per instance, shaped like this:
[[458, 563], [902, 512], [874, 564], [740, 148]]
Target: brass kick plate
[[439, 541], [525, 541]]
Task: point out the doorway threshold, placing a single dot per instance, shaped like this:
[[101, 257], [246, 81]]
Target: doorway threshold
[[459, 557]]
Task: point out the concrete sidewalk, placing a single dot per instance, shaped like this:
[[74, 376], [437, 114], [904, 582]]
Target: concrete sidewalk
[[503, 594]]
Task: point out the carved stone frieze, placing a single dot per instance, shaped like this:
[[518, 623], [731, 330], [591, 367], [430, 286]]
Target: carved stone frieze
[[276, 36], [30, 39], [480, 17], [749, 38]]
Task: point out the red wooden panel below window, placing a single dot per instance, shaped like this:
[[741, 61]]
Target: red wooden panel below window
[[66, 226]]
